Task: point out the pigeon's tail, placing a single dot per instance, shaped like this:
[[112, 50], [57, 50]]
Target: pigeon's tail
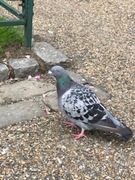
[[115, 126], [124, 131], [118, 127]]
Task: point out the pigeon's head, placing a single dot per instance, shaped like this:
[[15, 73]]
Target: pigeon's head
[[57, 72]]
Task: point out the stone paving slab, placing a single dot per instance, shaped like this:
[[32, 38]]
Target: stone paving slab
[[76, 77], [50, 100], [21, 111], [24, 66], [49, 54], [23, 89]]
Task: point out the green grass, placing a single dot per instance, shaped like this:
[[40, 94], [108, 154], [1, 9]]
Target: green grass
[[9, 35]]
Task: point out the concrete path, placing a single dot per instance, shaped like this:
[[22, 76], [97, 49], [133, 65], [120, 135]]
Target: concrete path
[[21, 111], [22, 100]]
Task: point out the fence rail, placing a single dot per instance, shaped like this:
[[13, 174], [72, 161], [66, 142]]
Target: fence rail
[[24, 17]]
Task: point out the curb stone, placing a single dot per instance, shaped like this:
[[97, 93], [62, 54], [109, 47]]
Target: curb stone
[[24, 66], [49, 54], [3, 72]]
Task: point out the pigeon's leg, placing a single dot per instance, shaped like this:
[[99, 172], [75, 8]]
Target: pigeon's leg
[[46, 111], [77, 136], [69, 124]]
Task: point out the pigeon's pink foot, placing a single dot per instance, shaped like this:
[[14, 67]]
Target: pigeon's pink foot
[[69, 124], [46, 111], [77, 136]]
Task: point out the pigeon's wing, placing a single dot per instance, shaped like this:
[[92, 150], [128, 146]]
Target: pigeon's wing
[[81, 103]]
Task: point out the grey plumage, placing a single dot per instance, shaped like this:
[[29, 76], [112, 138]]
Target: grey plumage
[[82, 107]]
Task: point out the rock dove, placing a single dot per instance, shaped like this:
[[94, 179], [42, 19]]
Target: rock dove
[[82, 107]]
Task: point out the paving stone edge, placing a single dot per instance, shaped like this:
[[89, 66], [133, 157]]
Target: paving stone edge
[[23, 67]]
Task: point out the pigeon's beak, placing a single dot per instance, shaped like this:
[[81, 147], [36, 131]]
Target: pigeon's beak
[[49, 72]]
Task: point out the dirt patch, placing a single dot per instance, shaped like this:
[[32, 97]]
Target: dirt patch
[[16, 50]]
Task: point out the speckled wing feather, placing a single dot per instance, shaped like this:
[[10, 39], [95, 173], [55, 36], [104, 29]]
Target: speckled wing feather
[[80, 103]]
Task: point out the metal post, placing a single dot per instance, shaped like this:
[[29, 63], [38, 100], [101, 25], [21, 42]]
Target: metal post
[[28, 16]]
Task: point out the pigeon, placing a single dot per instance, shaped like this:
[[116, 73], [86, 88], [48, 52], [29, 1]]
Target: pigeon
[[82, 107]]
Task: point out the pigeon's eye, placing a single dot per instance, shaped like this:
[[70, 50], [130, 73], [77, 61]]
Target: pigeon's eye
[[56, 71]]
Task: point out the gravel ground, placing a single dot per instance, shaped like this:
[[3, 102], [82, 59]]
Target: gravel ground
[[99, 37]]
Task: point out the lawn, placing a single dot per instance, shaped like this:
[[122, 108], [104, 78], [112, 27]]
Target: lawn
[[9, 36]]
